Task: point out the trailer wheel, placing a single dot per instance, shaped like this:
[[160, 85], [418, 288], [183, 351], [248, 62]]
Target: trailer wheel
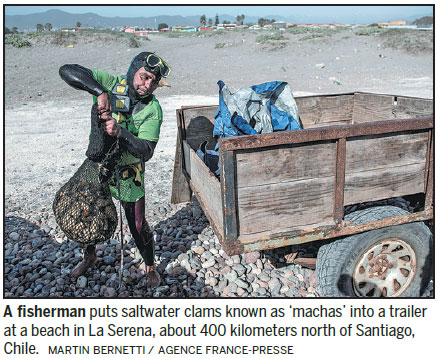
[[392, 261]]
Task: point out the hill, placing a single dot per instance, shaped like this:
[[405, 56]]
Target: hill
[[60, 19]]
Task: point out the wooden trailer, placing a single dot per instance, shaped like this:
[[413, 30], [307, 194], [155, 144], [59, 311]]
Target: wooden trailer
[[288, 188]]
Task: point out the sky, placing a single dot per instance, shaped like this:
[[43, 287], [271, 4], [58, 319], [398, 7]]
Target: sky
[[212, 10]]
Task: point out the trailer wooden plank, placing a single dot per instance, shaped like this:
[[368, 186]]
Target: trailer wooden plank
[[180, 191], [228, 195], [285, 164], [324, 110], [187, 156], [207, 186], [284, 206], [271, 240], [384, 183], [370, 107], [382, 151], [407, 107]]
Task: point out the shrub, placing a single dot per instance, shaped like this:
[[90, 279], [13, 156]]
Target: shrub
[[311, 36], [410, 41], [270, 37], [370, 31], [133, 42], [16, 41], [63, 38]]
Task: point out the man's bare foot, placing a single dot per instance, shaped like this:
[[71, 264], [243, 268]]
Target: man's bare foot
[[89, 259], [153, 278]]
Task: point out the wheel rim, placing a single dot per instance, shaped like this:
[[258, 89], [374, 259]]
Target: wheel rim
[[386, 269]]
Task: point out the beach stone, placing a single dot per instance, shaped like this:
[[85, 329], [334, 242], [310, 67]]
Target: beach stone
[[212, 281], [108, 260], [183, 256], [261, 291], [252, 257], [263, 276], [236, 259], [292, 292], [14, 236], [232, 275], [240, 269], [263, 284], [241, 283], [230, 289], [199, 250], [110, 292], [211, 262], [303, 293], [274, 285]]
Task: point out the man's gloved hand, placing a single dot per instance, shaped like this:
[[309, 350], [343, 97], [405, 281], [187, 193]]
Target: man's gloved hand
[[105, 114], [111, 127], [104, 106]]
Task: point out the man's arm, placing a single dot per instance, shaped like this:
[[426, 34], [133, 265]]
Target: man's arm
[[140, 148], [82, 78]]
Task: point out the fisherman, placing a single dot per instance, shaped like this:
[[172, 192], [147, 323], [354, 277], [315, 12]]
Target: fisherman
[[138, 132]]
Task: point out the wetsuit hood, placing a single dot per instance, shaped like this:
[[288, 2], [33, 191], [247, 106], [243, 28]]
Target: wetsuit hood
[[138, 62]]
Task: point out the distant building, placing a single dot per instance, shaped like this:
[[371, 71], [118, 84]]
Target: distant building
[[206, 29], [129, 29], [392, 24], [331, 26], [226, 26], [279, 25], [141, 33], [84, 28], [184, 28]]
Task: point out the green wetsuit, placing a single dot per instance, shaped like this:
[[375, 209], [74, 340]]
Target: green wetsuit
[[144, 124]]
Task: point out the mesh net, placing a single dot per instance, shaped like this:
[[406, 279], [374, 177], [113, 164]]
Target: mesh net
[[83, 207]]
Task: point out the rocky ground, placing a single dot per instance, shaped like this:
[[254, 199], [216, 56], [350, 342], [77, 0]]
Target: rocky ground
[[46, 126], [190, 260]]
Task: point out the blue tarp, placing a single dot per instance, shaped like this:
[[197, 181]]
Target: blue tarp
[[263, 108]]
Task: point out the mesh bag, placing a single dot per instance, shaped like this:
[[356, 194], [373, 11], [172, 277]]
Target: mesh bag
[[83, 207]]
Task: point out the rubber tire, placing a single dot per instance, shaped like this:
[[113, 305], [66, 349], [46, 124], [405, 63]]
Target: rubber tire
[[337, 259]]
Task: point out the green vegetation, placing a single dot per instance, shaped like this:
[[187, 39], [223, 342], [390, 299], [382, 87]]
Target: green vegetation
[[298, 30], [133, 42], [410, 41], [369, 31], [270, 37], [16, 41], [178, 34], [324, 31], [313, 32], [311, 36], [63, 38], [220, 45]]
